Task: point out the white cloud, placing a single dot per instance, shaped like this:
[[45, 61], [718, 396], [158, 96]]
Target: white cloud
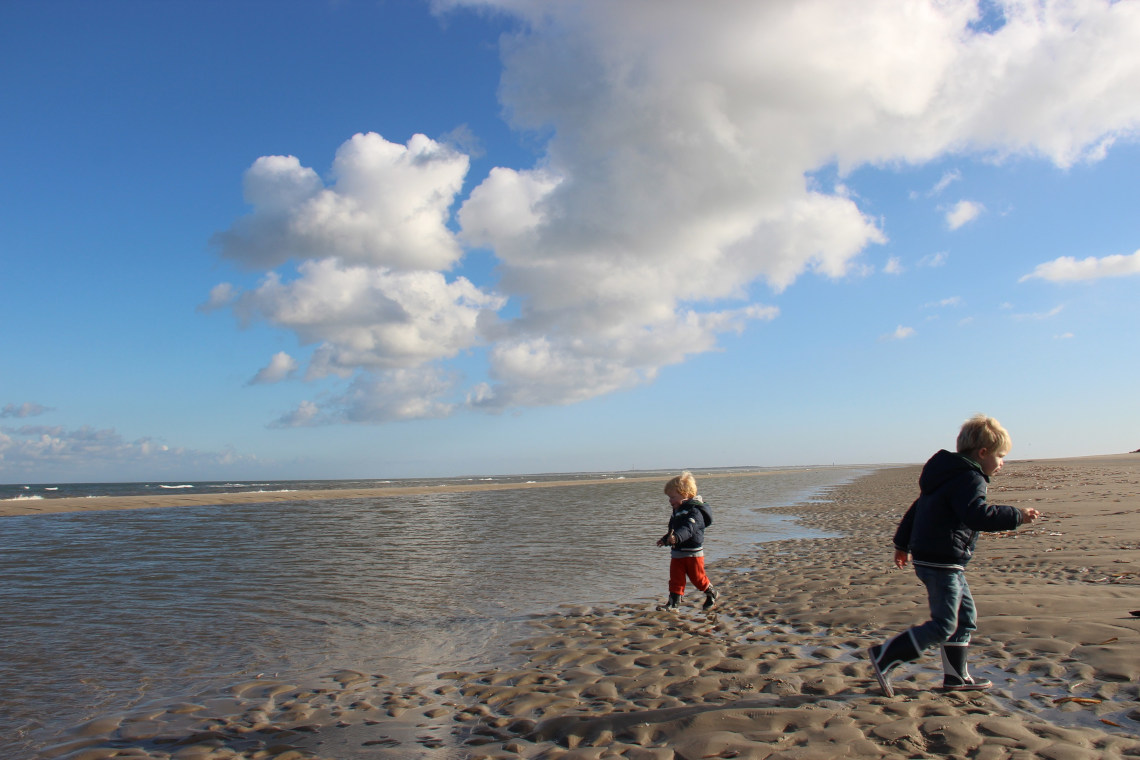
[[682, 139], [893, 266], [1068, 269], [947, 179], [934, 259], [945, 302], [280, 367], [26, 409], [963, 213], [544, 370], [1064, 336], [900, 333], [389, 206], [370, 318], [390, 396], [1040, 315], [52, 452], [304, 415]]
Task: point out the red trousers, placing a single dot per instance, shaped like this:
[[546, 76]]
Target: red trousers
[[693, 567]]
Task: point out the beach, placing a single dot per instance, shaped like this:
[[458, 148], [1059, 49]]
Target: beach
[[777, 670]]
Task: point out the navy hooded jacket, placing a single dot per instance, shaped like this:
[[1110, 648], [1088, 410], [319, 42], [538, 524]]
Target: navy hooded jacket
[[941, 528], [688, 524]]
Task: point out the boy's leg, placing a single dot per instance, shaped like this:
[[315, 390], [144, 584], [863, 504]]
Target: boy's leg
[[677, 576], [945, 591], [701, 581], [967, 616], [885, 657], [676, 584], [956, 674], [695, 567]]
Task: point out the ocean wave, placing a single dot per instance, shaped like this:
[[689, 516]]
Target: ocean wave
[[34, 497], [185, 486]]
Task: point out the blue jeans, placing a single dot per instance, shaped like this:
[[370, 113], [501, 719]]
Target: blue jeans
[[953, 616]]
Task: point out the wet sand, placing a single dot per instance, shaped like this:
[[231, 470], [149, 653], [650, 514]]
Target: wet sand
[[777, 670]]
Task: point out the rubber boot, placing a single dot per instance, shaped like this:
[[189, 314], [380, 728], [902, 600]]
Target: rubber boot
[[711, 595], [956, 676], [884, 657], [674, 601]]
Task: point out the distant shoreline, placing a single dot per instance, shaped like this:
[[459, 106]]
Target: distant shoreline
[[24, 507], [21, 507]]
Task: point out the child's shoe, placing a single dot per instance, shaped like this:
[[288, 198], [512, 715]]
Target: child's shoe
[[884, 657], [672, 604], [711, 595], [956, 676]]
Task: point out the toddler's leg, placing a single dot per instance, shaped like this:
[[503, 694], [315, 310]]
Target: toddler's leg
[[677, 576]]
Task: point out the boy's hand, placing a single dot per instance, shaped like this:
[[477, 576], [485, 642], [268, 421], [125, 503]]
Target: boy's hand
[[901, 558], [1028, 514]]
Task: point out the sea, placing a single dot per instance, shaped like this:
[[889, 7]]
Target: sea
[[103, 612]]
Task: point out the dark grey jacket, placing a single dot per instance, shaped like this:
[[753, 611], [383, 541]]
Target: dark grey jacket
[[941, 528]]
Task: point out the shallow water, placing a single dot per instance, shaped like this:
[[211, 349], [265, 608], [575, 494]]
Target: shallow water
[[103, 611]]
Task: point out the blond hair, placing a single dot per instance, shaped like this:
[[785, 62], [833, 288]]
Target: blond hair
[[684, 485], [982, 432]]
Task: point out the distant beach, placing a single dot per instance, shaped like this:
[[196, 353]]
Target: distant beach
[[189, 496], [777, 671]]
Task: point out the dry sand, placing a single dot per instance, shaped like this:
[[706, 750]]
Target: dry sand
[[777, 670]]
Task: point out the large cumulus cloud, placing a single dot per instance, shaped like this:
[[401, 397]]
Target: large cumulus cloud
[[675, 178]]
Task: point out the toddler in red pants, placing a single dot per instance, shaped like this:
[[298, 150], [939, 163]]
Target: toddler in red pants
[[685, 538]]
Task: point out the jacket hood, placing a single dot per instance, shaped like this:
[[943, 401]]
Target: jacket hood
[[943, 466], [704, 509]]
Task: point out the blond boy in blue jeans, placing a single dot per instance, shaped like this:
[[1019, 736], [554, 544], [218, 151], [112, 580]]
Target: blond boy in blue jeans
[[939, 533]]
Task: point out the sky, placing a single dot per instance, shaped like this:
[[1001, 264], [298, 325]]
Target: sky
[[393, 238]]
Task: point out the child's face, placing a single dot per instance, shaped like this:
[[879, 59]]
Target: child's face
[[675, 499], [991, 461]]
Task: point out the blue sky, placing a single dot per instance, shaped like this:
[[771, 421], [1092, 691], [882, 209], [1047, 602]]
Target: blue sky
[[397, 239]]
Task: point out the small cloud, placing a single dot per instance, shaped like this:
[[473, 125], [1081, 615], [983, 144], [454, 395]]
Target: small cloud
[[26, 409], [965, 321], [281, 366], [1069, 269], [893, 266], [945, 302], [947, 178], [221, 296], [933, 259], [303, 416], [1040, 315], [1064, 336], [963, 213], [463, 140], [900, 333]]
